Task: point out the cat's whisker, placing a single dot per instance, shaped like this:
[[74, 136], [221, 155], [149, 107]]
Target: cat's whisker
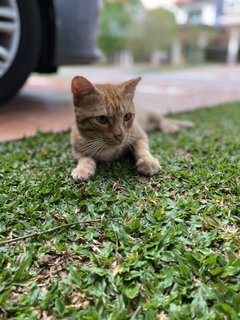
[[130, 144], [132, 138], [99, 149], [93, 148], [91, 142], [131, 141], [89, 148]]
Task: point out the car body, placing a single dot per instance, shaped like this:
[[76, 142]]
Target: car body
[[41, 35]]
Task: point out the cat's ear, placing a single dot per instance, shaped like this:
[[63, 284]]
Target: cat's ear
[[129, 87], [81, 88]]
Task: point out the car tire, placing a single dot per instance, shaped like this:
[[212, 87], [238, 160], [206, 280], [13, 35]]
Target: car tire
[[19, 48]]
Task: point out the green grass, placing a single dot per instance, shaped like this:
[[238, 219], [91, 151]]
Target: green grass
[[171, 252]]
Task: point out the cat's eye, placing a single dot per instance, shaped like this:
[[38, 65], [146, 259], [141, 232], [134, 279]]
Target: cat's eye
[[127, 116], [102, 119]]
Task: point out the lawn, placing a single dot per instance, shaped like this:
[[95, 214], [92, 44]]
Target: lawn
[[166, 247]]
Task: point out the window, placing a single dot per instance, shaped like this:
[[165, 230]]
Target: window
[[195, 16]]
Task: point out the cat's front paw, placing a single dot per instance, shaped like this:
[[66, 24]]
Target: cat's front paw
[[148, 166], [82, 174]]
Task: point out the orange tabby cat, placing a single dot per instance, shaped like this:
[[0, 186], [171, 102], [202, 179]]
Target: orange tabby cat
[[106, 127]]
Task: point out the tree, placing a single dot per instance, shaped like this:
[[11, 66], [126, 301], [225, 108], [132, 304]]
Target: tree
[[155, 31], [125, 24], [114, 28]]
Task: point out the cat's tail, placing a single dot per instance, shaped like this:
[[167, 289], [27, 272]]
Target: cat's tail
[[156, 121]]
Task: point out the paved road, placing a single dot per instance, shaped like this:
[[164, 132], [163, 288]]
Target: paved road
[[45, 103]]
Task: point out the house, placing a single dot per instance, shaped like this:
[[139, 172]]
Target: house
[[228, 17], [220, 14], [196, 12]]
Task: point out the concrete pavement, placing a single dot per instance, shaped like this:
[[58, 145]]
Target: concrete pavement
[[45, 103]]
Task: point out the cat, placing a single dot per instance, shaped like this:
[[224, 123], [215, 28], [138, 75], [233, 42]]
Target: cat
[[106, 127]]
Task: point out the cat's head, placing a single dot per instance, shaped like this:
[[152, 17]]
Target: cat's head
[[104, 111]]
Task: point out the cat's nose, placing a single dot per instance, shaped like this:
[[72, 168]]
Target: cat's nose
[[119, 136]]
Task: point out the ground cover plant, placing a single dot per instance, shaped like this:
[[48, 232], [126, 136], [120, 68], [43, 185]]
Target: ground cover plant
[[165, 247]]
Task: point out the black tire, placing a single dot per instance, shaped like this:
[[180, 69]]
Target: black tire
[[27, 53]]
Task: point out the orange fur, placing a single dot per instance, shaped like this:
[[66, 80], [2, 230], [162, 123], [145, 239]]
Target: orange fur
[[106, 127]]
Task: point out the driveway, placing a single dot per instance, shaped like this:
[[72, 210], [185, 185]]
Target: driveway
[[45, 103]]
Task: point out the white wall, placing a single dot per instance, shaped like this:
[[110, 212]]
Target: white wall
[[207, 8]]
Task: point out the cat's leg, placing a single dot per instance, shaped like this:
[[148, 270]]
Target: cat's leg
[[85, 168], [146, 163], [172, 125], [156, 121]]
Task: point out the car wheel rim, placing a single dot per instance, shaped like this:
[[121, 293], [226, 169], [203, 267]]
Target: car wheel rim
[[9, 33]]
